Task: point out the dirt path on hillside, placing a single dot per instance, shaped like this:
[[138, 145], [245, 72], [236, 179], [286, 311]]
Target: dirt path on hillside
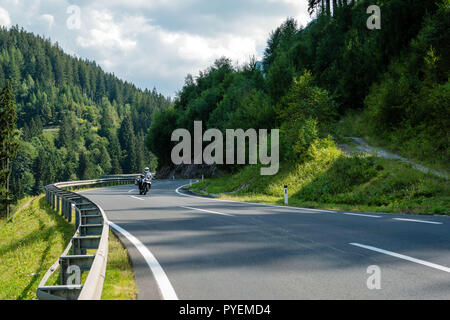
[[22, 208], [362, 146]]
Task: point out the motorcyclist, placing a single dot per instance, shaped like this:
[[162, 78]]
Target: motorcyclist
[[147, 174], [142, 180]]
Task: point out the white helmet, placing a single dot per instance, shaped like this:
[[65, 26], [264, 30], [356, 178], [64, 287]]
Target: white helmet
[[147, 169]]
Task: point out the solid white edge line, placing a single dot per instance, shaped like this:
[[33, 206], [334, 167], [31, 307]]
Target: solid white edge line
[[361, 215], [401, 256], [208, 211], [137, 198], [161, 278], [413, 220], [251, 203]]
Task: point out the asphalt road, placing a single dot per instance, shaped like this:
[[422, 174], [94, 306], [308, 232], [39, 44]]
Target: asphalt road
[[189, 247]]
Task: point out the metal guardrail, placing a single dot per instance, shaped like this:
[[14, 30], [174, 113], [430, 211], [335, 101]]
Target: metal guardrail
[[91, 232]]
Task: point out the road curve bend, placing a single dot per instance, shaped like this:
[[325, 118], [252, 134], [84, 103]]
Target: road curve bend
[[187, 247]]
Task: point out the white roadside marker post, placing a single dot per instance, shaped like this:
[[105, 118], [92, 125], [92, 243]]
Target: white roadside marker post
[[286, 195], [203, 177]]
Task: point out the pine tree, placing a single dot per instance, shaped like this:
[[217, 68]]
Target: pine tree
[[128, 142], [8, 133]]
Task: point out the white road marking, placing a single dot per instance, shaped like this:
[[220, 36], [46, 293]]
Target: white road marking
[[131, 191], [361, 215], [420, 221], [161, 278], [401, 256], [208, 211], [137, 198], [251, 203]]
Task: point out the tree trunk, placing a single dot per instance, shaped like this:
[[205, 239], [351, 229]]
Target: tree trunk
[[328, 7], [334, 7]]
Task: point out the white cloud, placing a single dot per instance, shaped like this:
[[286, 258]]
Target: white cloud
[[106, 33], [156, 43], [5, 20], [48, 19], [205, 50]]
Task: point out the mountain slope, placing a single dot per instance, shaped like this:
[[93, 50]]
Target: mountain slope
[[76, 121], [316, 82]]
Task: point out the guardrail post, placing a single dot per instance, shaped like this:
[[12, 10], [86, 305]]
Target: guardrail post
[[53, 201], [77, 217], [63, 206], [65, 212], [83, 262], [69, 208], [80, 244], [57, 204]]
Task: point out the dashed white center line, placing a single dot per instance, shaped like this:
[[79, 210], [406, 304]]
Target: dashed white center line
[[137, 198], [419, 221], [208, 211], [401, 256], [361, 215]]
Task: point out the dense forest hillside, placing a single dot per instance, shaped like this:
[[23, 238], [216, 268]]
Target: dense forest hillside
[[395, 78], [320, 84], [75, 120]]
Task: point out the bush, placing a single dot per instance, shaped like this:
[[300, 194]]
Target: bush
[[304, 112], [296, 138], [304, 101]]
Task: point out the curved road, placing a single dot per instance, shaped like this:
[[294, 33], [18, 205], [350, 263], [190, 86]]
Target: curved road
[[189, 247]]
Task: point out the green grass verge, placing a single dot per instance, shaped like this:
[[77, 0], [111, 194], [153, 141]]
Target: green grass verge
[[119, 281], [31, 243], [331, 180]]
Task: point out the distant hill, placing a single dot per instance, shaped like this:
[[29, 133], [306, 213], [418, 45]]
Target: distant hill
[[102, 120]]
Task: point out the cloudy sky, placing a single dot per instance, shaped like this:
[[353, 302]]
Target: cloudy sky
[[155, 43]]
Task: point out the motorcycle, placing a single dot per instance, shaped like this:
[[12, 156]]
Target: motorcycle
[[144, 184]]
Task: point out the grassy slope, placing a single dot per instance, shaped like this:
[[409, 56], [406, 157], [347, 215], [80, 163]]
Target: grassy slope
[[332, 180], [28, 247], [33, 242]]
